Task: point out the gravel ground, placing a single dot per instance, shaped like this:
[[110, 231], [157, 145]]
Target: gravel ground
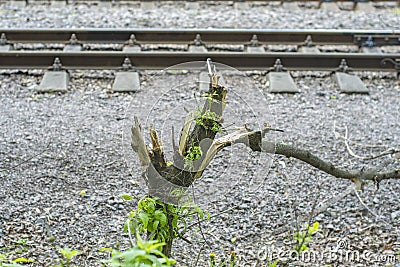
[[53, 146], [210, 14]]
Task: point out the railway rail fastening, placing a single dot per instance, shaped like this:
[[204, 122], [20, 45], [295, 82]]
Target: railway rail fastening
[[198, 42]]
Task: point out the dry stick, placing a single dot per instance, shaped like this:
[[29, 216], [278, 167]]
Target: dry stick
[[130, 235], [387, 152], [201, 231], [292, 204], [198, 255], [25, 161], [334, 199], [314, 206], [198, 220], [297, 224], [327, 167], [213, 216], [254, 140], [296, 217], [353, 154], [368, 209], [317, 211]]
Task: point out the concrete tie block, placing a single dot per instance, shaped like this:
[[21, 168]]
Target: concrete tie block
[[7, 47], [255, 49], [73, 48], [241, 5], [54, 81], [308, 50], [371, 50], [146, 5], [132, 49], [367, 7], [105, 4], [197, 49], [350, 83], [292, 6], [330, 6], [281, 82], [18, 3], [192, 5], [58, 3], [126, 81]]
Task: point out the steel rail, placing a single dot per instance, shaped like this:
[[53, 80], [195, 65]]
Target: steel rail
[[208, 36], [160, 60], [282, 1]]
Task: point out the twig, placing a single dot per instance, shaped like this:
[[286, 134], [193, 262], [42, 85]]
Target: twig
[[334, 199], [314, 206], [186, 240], [199, 222], [27, 160], [213, 216], [369, 210], [130, 234], [353, 154], [198, 255]]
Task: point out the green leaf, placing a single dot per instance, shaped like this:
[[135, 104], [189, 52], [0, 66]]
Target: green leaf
[[23, 260], [151, 207], [131, 254], [105, 249], [199, 212], [126, 197], [162, 218], [132, 214], [21, 242], [68, 253], [174, 222], [303, 248], [155, 225], [144, 218], [314, 228], [154, 246]]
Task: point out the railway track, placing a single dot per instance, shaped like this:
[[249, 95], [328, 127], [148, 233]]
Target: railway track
[[253, 57], [197, 41], [135, 1], [161, 60], [206, 36]]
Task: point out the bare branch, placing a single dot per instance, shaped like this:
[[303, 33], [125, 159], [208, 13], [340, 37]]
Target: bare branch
[[346, 140], [27, 160], [323, 206], [254, 140], [308, 157], [370, 211]]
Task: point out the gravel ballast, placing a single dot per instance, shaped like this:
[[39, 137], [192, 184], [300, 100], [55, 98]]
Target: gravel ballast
[[62, 156]]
